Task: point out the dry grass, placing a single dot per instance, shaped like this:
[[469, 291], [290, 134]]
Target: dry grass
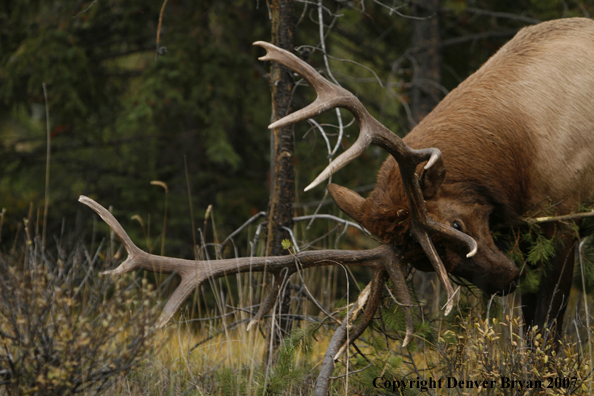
[[481, 341], [465, 347]]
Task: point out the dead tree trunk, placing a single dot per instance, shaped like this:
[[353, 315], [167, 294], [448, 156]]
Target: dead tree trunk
[[425, 95], [282, 186], [427, 69]]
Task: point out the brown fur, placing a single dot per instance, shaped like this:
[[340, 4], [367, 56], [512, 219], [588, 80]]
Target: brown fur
[[516, 134]]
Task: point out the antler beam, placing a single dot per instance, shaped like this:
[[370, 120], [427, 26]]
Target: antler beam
[[382, 260]]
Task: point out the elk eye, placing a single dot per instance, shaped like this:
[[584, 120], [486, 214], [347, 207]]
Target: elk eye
[[456, 224]]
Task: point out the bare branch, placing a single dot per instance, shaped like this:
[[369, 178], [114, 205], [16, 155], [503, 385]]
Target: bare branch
[[503, 15], [479, 36], [548, 219]]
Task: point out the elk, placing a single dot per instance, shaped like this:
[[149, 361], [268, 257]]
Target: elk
[[516, 135]]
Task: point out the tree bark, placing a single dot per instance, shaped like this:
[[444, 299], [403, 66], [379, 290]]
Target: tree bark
[[282, 189], [427, 69], [425, 95]]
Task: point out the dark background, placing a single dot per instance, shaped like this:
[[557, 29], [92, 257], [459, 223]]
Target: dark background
[[120, 119]]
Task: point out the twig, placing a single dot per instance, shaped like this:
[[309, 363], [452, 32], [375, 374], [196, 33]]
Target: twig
[[237, 323], [47, 167], [86, 9], [354, 372], [329, 217], [164, 232], [323, 133], [353, 314], [191, 208], [342, 336], [323, 381], [310, 296], [479, 36], [2, 221], [548, 219], [581, 261], [159, 50], [327, 64], [394, 10], [504, 15], [243, 226], [412, 361], [292, 235]]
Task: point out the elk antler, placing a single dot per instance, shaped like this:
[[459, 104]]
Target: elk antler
[[382, 260], [373, 132]]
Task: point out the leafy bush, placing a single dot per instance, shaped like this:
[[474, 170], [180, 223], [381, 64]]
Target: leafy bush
[[66, 330]]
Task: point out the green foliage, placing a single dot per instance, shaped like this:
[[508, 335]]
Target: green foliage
[[541, 249], [425, 331], [229, 383], [286, 244], [393, 317], [531, 279], [283, 374], [118, 119]]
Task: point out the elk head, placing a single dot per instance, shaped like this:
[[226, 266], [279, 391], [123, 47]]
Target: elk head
[[386, 214]]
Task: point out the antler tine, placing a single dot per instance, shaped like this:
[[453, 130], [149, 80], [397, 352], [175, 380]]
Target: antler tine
[[133, 251], [183, 291], [453, 234], [329, 97], [423, 224], [138, 259], [362, 143], [394, 269], [270, 299], [371, 300], [440, 270]]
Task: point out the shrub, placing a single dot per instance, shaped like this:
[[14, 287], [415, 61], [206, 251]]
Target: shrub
[[63, 328]]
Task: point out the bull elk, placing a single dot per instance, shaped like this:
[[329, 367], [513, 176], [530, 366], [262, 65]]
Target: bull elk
[[516, 135]]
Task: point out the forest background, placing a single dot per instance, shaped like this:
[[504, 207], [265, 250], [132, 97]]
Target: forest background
[[121, 118], [191, 111]]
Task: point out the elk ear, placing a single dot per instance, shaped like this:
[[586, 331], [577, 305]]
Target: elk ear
[[431, 179], [348, 201]]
